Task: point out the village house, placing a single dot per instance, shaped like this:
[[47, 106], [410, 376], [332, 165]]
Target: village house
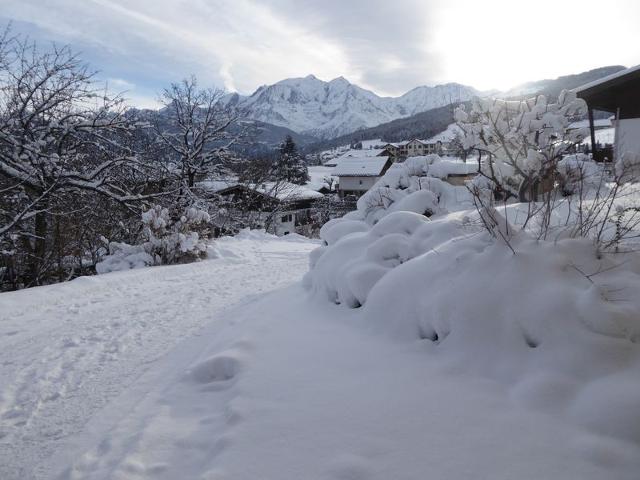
[[413, 148], [357, 153], [618, 94], [282, 207], [356, 175]]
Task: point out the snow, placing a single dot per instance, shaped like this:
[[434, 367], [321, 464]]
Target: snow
[[397, 189], [330, 109], [289, 191], [390, 412], [414, 347], [445, 136], [317, 175], [603, 136], [281, 190], [555, 325], [360, 166], [69, 351]]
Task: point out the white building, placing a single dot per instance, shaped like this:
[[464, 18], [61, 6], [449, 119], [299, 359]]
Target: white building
[[356, 175]]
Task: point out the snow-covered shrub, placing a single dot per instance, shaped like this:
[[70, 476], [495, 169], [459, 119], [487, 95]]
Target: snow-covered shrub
[[579, 172], [556, 323], [357, 256], [166, 238], [521, 142], [417, 185], [525, 151]]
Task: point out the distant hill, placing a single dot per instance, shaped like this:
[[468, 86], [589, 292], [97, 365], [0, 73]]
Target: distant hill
[[421, 125]]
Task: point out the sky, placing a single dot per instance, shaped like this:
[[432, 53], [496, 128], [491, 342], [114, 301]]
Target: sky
[[389, 47]]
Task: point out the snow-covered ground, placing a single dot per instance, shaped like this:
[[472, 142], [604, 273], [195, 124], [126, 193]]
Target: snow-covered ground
[[67, 351], [203, 371], [295, 388]]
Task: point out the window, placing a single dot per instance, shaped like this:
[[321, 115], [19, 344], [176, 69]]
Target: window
[[360, 182], [286, 218]]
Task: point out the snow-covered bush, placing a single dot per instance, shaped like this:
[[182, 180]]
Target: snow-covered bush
[[417, 185], [521, 142], [356, 256], [578, 173], [556, 323], [525, 151], [167, 238]]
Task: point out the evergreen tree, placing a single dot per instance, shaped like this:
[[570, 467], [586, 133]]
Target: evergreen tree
[[290, 166]]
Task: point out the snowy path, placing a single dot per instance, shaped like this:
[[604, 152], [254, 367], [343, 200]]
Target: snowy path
[[67, 350]]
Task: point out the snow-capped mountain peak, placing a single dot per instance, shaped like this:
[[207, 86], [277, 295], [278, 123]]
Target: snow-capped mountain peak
[[327, 109]]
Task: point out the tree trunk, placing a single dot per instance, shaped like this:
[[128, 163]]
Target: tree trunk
[[39, 247], [528, 191]]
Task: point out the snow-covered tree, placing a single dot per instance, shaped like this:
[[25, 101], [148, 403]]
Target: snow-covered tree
[[521, 142], [195, 126], [168, 236], [289, 165], [61, 138]]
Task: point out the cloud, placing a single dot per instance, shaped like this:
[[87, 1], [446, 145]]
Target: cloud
[[240, 44], [387, 46]]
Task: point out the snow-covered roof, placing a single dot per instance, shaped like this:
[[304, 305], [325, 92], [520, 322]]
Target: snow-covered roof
[[317, 174], [370, 152], [608, 78], [217, 185], [360, 167], [283, 191], [398, 144]]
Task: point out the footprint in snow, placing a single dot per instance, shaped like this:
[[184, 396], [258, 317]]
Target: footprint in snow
[[216, 372]]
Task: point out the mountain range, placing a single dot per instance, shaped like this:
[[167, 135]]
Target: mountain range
[[310, 108], [326, 110]]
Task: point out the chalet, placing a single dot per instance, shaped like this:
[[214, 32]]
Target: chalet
[[412, 148], [396, 150], [618, 94], [283, 207], [356, 153], [356, 175]]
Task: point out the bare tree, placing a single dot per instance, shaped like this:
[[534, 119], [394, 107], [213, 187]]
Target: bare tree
[[60, 136], [195, 126]]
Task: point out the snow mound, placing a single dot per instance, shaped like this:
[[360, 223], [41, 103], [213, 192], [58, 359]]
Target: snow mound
[[556, 322], [354, 260], [417, 185], [124, 257]]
